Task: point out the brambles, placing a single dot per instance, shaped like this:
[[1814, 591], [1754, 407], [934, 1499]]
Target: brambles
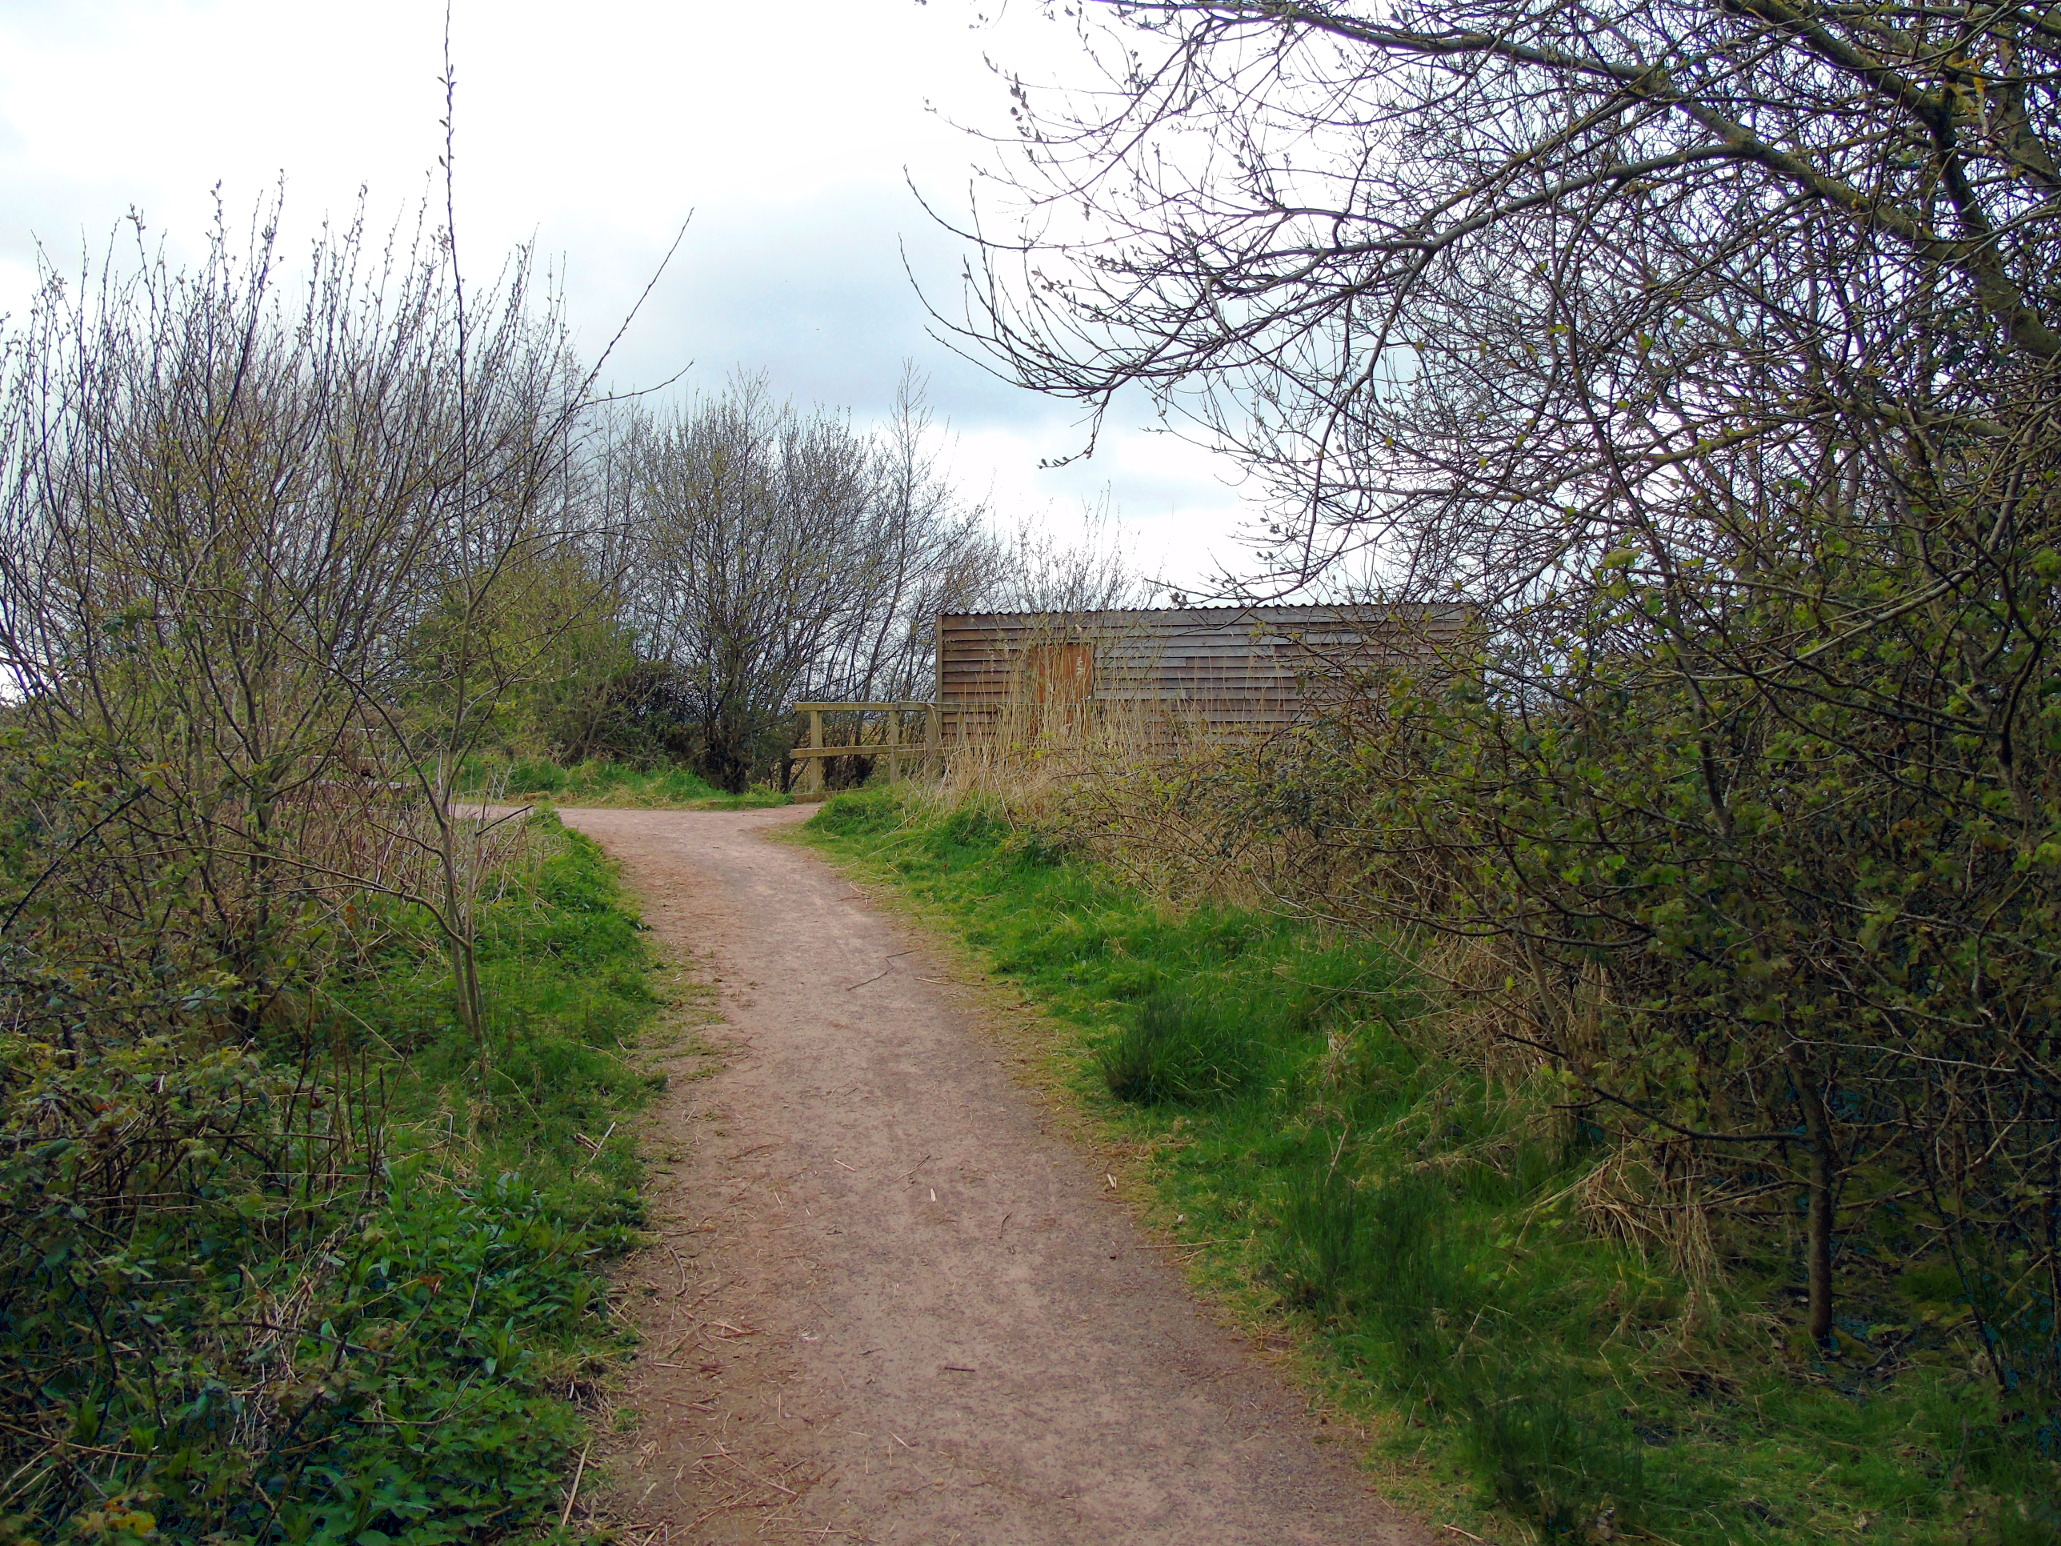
[[1474, 1256], [1652, 335], [273, 1291], [296, 1241]]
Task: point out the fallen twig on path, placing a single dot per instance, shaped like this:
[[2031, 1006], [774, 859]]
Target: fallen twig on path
[[574, 1496], [680, 1262], [723, 1454]]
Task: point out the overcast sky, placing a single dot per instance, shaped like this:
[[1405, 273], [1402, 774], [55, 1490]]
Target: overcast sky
[[786, 131]]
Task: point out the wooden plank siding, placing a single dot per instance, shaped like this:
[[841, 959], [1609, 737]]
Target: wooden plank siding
[[1220, 669]]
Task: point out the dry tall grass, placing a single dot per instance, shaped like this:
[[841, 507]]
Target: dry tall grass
[[1154, 792]]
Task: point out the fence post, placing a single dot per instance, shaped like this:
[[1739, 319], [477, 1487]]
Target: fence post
[[813, 784], [933, 741], [894, 744]]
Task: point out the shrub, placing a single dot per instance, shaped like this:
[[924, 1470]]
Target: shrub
[[316, 1285], [1181, 1048], [1471, 1254], [859, 813]]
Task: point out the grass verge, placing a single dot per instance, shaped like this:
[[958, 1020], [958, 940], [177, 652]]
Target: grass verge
[[362, 1301], [607, 786], [1427, 1237]]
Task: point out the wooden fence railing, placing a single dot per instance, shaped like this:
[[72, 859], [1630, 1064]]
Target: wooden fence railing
[[890, 745]]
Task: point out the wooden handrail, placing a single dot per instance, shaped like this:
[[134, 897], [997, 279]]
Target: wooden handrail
[[870, 749], [907, 706], [891, 748]]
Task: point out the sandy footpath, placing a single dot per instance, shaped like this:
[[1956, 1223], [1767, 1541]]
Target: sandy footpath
[[889, 1305]]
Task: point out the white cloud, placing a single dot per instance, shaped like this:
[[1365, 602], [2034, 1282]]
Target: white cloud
[[593, 131]]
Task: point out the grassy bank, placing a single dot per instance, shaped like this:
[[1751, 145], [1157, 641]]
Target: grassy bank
[[607, 785], [1437, 1241], [355, 1294]]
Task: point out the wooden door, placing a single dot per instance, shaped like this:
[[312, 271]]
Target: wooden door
[[1058, 681], [1060, 675]]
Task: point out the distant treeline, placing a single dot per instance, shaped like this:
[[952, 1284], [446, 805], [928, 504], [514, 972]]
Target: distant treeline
[[747, 553]]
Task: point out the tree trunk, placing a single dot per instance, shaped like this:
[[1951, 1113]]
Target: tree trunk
[[1824, 1171], [459, 943]]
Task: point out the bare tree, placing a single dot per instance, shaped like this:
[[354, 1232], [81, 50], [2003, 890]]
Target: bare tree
[[785, 554], [1419, 260], [921, 548], [262, 568], [1041, 572]]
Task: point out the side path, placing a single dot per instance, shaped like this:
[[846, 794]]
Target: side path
[[890, 1306]]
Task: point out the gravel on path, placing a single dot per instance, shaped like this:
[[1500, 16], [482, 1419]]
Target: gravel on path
[[890, 1304]]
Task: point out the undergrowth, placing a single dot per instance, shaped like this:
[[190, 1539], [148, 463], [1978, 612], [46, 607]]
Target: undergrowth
[[342, 1289], [1422, 1226], [619, 785]]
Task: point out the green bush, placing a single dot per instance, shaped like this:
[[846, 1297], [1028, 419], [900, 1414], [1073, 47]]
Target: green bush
[[333, 1289], [860, 813], [607, 783], [1423, 1222], [1180, 1048], [534, 776]]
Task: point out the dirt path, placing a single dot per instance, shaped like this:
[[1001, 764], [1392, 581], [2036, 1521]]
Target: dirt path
[[890, 1305]]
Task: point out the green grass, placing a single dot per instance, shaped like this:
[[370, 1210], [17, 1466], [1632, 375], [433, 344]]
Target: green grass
[[1416, 1229], [371, 1317], [612, 785]]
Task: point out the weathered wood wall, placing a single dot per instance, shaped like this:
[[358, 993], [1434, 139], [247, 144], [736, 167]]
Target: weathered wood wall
[[1217, 668]]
